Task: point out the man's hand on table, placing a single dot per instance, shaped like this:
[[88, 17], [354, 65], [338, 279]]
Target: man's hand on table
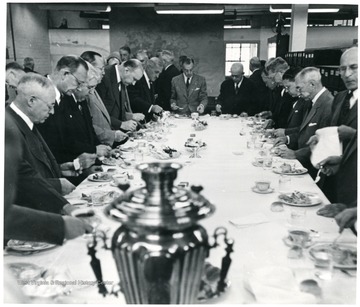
[[66, 186], [67, 170], [331, 210], [86, 160], [175, 107], [280, 141], [312, 141], [330, 165], [74, 227], [346, 218], [279, 132], [200, 108], [218, 108], [120, 136], [346, 132], [103, 150], [287, 153], [138, 117], [156, 109], [129, 125]]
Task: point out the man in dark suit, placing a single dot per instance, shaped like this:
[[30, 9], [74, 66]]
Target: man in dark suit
[[113, 92], [341, 187], [69, 75], [142, 93], [33, 104], [237, 95], [163, 83], [188, 91], [262, 91], [308, 83], [21, 223]]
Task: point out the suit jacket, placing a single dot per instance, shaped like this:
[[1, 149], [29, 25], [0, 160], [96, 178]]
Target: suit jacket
[[163, 86], [296, 115], [109, 92], [72, 128], [336, 109], [101, 119], [261, 92], [31, 190], [318, 117], [141, 97], [236, 103], [23, 223], [188, 99], [282, 109], [42, 161]]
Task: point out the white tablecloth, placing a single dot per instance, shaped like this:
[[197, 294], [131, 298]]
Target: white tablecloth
[[227, 175]]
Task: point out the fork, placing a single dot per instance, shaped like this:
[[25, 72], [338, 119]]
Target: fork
[[317, 179], [337, 238]]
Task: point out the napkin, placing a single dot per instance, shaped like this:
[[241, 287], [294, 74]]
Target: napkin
[[276, 285], [328, 145], [249, 220]]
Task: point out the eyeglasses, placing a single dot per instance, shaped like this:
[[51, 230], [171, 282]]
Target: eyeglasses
[[352, 68], [77, 80]]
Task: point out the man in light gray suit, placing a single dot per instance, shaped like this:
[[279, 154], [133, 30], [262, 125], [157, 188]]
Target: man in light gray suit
[[188, 91]]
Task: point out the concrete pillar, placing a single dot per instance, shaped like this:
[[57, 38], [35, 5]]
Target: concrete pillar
[[298, 29]]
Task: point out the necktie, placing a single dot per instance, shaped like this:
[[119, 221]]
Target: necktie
[[47, 155], [187, 82], [236, 88], [345, 109]]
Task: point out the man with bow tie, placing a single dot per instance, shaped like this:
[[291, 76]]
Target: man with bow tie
[[188, 91]]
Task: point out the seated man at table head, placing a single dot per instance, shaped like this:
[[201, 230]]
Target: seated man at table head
[[163, 83], [237, 95], [125, 54], [188, 91], [113, 92], [21, 223], [142, 94], [29, 65], [113, 58], [142, 56], [33, 105]]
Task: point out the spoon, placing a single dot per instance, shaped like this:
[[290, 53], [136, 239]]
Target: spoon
[[317, 179]]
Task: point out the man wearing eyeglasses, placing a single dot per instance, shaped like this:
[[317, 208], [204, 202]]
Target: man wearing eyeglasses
[[237, 94]]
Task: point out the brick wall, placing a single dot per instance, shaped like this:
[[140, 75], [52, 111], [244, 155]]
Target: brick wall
[[31, 36]]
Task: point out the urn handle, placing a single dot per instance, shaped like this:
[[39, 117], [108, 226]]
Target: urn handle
[[226, 260]]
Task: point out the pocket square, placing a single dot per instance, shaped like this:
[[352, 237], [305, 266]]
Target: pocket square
[[296, 111], [312, 124], [197, 89]]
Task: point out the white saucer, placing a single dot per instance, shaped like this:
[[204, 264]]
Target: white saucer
[[256, 190], [289, 243]]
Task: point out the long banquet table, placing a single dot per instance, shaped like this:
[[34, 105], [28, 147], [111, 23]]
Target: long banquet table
[[226, 172]]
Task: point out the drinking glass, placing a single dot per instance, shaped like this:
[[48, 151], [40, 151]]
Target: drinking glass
[[297, 216], [97, 197], [284, 184], [324, 265]]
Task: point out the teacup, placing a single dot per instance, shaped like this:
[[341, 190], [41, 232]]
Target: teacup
[[259, 160], [299, 237], [262, 185]]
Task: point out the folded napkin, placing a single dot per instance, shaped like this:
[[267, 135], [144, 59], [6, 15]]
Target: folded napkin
[[249, 220], [276, 285], [328, 145]]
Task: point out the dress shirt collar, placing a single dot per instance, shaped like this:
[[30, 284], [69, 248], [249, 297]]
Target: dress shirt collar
[[282, 92], [25, 118], [239, 84], [318, 95], [147, 79], [353, 98], [57, 92], [185, 78], [74, 98], [118, 78], [167, 66]]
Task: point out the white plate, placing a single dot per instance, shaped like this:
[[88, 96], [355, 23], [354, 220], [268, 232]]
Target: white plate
[[110, 161], [348, 263], [297, 171], [314, 200], [29, 246], [92, 177]]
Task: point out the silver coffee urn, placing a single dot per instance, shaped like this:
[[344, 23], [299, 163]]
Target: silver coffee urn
[[159, 249]]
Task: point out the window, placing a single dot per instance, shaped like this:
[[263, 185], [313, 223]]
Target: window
[[271, 50], [240, 52]]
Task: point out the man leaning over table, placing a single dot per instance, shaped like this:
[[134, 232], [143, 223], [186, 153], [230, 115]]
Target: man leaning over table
[[310, 88], [21, 223], [237, 95], [188, 91], [113, 92], [100, 116]]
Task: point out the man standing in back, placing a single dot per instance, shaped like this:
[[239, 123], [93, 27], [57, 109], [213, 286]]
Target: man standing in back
[[188, 91]]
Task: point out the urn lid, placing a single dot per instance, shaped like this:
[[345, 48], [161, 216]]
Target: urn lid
[[160, 204]]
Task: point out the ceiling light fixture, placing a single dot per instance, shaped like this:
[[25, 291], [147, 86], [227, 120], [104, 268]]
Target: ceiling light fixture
[[190, 12], [314, 10], [189, 9], [237, 27]]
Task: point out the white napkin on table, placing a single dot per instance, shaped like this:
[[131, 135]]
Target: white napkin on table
[[249, 220], [328, 145], [276, 285]]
